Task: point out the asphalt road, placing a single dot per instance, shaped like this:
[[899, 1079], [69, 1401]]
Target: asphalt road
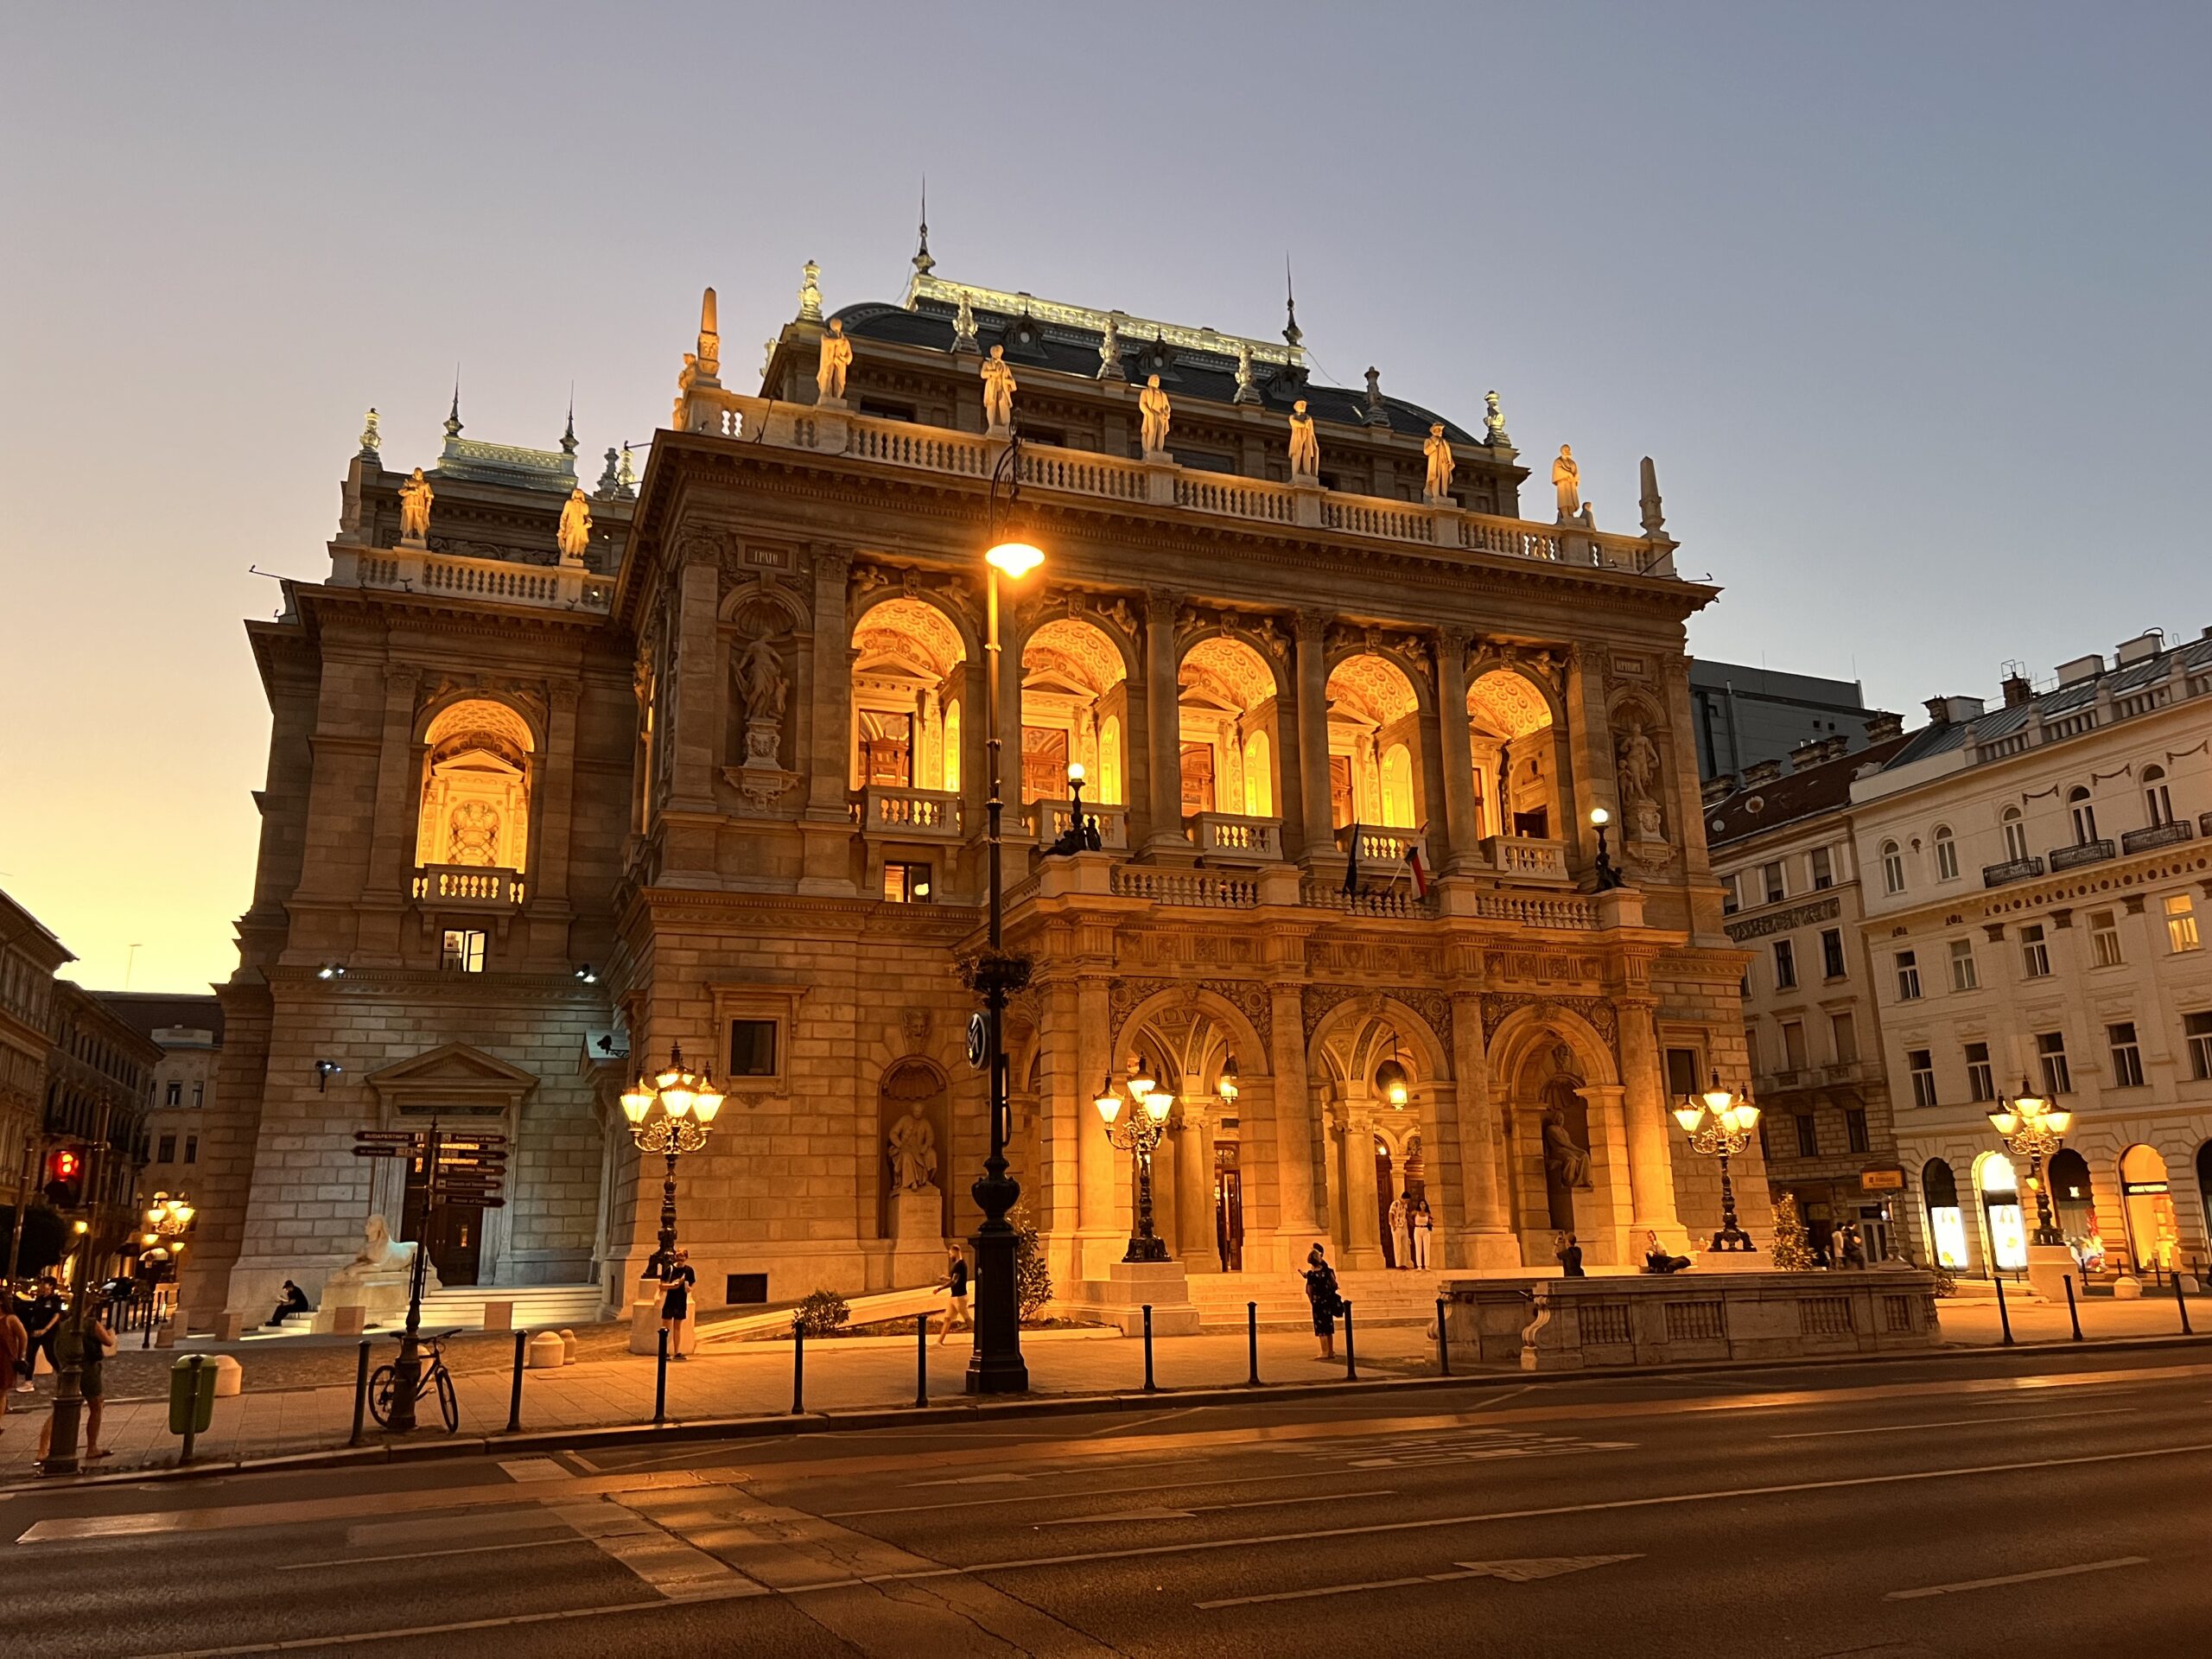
[[1954, 1507]]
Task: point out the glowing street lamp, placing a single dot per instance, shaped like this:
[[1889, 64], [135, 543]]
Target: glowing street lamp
[[1138, 1134], [1608, 877], [1720, 1124], [2030, 1127], [687, 1103]]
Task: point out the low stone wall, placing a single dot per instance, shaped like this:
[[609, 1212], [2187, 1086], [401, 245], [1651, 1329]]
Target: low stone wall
[[1553, 1324]]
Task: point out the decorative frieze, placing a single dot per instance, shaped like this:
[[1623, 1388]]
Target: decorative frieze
[[1782, 921]]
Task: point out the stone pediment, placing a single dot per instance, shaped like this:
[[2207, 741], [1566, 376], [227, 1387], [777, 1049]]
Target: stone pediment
[[455, 1080]]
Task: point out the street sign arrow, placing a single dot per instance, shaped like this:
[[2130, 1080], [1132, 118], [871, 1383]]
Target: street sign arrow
[[1539, 1566], [376, 1152], [386, 1137]]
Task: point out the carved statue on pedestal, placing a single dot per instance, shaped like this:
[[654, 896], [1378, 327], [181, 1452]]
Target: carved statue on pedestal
[[766, 687], [911, 1149], [575, 534], [1567, 1166], [810, 294], [1153, 407], [414, 498], [1305, 444], [1567, 479], [963, 326], [1638, 757], [1109, 349], [998, 389], [1437, 449], [836, 357], [1494, 422]]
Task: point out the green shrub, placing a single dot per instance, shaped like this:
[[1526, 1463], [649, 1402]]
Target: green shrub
[[822, 1312], [1032, 1280]]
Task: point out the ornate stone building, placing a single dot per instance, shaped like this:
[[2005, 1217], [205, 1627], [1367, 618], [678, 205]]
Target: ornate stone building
[[733, 765]]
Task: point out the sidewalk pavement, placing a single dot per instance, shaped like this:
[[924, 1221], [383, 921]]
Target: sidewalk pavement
[[861, 1372]]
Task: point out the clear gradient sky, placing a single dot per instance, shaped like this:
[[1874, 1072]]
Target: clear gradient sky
[[1908, 302]]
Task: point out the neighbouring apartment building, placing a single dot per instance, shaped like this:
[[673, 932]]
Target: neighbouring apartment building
[[188, 1030]]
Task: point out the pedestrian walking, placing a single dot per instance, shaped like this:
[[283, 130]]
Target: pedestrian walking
[[1321, 1292], [1851, 1252], [15, 1345], [88, 1344], [955, 1285], [1570, 1256], [675, 1281], [43, 1322]]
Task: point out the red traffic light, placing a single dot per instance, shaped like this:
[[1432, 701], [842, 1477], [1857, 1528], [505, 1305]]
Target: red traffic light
[[66, 1164]]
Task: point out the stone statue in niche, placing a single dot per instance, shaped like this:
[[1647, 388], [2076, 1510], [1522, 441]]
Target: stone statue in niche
[[414, 498], [1437, 449], [1638, 759], [1153, 407], [911, 1149], [836, 357], [998, 389], [765, 688], [1567, 1162], [1305, 444], [1567, 479]]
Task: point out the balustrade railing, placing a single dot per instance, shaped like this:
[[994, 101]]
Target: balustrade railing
[[1526, 858], [2012, 869], [503, 581], [1537, 910], [1229, 838], [487, 887], [1397, 902], [924, 814], [1194, 887], [2171, 833], [1048, 821], [2087, 852], [1379, 844]]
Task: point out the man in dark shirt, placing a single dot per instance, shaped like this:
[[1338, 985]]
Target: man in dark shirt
[[42, 1320], [956, 1282], [1570, 1256]]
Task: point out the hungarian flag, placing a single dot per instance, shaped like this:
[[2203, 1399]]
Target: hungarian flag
[[1414, 864], [1351, 864]]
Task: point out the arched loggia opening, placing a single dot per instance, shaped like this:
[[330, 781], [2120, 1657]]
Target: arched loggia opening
[[1227, 714], [1515, 757], [906, 699], [1075, 712]]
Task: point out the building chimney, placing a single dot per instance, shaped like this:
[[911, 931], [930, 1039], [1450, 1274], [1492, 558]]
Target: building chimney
[[1811, 752], [1880, 726], [1839, 746], [1717, 790], [2018, 690], [1760, 772]]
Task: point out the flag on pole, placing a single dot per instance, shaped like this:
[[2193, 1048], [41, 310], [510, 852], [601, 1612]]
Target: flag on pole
[[1414, 865], [1351, 864]]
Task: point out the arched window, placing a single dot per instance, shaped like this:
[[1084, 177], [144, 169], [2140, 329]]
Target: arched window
[[2158, 805], [2084, 814], [952, 746], [1398, 787], [476, 785], [1892, 868], [1947, 853], [2016, 837], [1259, 782], [1946, 1226]]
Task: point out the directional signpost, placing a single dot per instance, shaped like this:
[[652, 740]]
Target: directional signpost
[[458, 1167]]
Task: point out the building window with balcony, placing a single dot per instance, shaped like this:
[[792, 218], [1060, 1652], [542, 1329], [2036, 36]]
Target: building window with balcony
[[1854, 1129], [462, 951], [166, 1153], [2198, 1028], [1809, 1136], [906, 884], [1981, 1077], [909, 668], [1823, 868], [1770, 880], [2181, 923], [1843, 1032], [2016, 837], [2126, 1057], [476, 788], [1892, 868], [2104, 939], [1785, 965], [2035, 952], [1908, 977], [2157, 803], [2084, 812], [1832, 965], [1947, 853], [1920, 1064], [1963, 976], [2050, 1053], [1793, 1044]]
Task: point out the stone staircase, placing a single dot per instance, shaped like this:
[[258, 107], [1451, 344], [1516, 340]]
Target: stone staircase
[[1378, 1296], [538, 1307]]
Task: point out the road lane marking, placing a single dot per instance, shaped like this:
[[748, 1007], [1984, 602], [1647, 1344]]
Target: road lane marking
[[356, 1638], [1520, 1572], [527, 1469], [677, 1569], [1950, 1422], [2018, 1578], [427, 1555], [1196, 1510], [1061, 1495]]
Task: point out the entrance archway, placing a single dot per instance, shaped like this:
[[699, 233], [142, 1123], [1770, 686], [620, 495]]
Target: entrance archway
[[2071, 1194], [1516, 765], [1939, 1190], [2153, 1232], [2005, 1234]]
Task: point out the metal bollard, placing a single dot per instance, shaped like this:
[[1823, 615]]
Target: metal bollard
[[1252, 1342], [191, 1433], [2180, 1306], [1351, 1363], [798, 1368], [921, 1359], [1150, 1387], [514, 1398], [1443, 1348], [360, 1392], [660, 1381], [1997, 1278], [2072, 1311]]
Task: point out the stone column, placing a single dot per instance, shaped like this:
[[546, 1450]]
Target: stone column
[[698, 682], [1195, 1243], [1299, 1218], [398, 814], [1314, 734], [1602, 1217], [1586, 763], [1651, 1172], [1462, 826], [1362, 1241], [1435, 809], [1100, 1170], [1164, 722], [828, 758], [556, 791], [1484, 1239]]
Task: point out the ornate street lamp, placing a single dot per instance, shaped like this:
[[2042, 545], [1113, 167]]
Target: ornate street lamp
[[1137, 1134], [687, 1101], [170, 1217], [2030, 1127], [1720, 1124], [1396, 1087], [1225, 1089], [1608, 877], [996, 1365]]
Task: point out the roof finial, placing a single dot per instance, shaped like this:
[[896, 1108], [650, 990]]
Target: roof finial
[[708, 358], [1655, 520], [568, 436], [625, 475], [810, 294], [371, 442], [609, 482], [922, 264], [1494, 422], [1290, 331], [1376, 414], [452, 419]]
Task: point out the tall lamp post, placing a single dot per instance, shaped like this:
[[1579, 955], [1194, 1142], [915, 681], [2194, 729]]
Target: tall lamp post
[[687, 1101], [996, 1365], [168, 1219], [2030, 1127], [1137, 1134], [1719, 1125]]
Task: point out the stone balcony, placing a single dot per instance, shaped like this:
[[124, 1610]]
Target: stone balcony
[[454, 576], [2087, 852], [908, 814], [1382, 844], [467, 887], [1524, 858], [1163, 484], [1229, 838], [1048, 821], [2171, 833]]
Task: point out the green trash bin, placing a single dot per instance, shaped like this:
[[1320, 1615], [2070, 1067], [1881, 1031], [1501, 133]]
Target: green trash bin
[[192, 1395]]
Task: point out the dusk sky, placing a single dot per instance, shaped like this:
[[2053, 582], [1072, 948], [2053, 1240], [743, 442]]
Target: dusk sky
[[1907, 303]]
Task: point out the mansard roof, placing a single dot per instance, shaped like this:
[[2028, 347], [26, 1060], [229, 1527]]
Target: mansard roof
[[2195, 657]]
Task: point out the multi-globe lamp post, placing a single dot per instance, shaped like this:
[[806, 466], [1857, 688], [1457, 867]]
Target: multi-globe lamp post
[[1138, 1134], [2031, 1128], [1719, 1124], [168, 1217], [671, 1113]]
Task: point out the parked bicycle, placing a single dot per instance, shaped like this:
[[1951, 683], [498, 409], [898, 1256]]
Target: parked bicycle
[[431, 1354]]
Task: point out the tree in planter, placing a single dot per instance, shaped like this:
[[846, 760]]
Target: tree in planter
[[1032, 1280], [1791, 1254]]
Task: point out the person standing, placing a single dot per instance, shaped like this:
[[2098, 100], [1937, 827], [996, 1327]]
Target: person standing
[[1570, 1256], [88, 1343], [15, 1346], [955, 1285], [43, 1322], [1321, 1293], [676, 1282], [1424, 1225], [1402, 1237]]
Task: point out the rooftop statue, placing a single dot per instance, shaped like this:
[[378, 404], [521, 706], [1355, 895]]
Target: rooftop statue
[[371, 442], [1437, 449], [1248, 390], [963, 326], [414, 498], [1305, 444], [1153, 405], [998, 389], [1567, 479], [836, 357], [575, 535], [810, 294], [1494, 422], [1109, 349]]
